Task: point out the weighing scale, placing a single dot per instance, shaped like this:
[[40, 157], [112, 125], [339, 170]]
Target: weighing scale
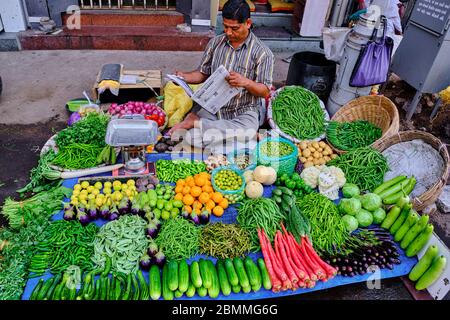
[[132, 134]]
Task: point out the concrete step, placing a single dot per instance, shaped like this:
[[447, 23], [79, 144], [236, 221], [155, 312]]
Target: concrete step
[[9, 42], [117, 38], [128, 18]]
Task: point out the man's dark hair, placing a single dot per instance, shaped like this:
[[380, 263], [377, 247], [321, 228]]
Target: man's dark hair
[[236, 10]]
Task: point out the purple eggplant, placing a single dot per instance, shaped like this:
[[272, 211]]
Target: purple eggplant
[[152, 249], [69, 213], [104, 211], [113, 214], [195, 218], [204, 217], [81, 208], [185, 214], [145, 262], [92, 211], [152, 230], [135, 207], [157, 223], [149, 216], [123, 206], [160, 259], [83, 218]]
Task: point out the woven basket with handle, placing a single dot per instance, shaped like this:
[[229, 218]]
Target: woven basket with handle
[[378, 110], [431, 195]]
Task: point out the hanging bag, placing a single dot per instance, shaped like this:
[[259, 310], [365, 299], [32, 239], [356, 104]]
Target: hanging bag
[[373, 62]]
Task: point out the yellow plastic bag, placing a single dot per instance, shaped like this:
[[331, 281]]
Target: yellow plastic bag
[[176, 103]]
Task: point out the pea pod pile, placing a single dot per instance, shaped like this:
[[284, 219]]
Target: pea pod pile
[[174, 170], [275, 149], [328, 232], [123, 241], [297, 112], [68, 243], [352, 135], [364, 167], [259, 213]]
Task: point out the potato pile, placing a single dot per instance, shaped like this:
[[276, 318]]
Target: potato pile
[[313, 153]]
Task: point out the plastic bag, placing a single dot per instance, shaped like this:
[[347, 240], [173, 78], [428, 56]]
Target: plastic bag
[[176, 102], [334, 42]]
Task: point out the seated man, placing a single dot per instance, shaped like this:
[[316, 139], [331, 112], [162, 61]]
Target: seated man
[[250, 64]]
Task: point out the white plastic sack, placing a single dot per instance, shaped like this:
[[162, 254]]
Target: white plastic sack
[[334, 42]]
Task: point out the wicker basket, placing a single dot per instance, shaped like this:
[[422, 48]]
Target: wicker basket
[[430, 196], [378, 110]]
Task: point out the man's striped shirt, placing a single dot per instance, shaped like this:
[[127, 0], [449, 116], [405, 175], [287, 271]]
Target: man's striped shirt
[[253, 59]]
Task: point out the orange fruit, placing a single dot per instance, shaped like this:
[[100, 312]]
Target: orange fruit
[[217, 197], [224, 203], [178, 196], [186, 190], [188, 209], [191, 183], [210, 205], [179, 189], [218, 211], [200, 181], [204, 197], [196, 191], [188, 179], [197, 205], [188, 199], [181, 182], [207, 189]]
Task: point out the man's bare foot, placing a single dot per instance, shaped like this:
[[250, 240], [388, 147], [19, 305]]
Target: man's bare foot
[[186, 124]]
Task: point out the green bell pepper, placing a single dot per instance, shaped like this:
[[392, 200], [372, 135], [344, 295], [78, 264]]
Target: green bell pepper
[[290, 184]]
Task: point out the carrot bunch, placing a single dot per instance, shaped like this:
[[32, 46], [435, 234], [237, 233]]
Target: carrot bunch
[[293, 265]]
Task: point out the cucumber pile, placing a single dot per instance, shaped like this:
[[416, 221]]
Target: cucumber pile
[[204, 278]]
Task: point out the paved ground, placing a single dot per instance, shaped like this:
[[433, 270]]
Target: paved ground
[[36, 87]]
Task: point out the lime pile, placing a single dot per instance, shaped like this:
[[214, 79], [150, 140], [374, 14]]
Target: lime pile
[[228, 180]]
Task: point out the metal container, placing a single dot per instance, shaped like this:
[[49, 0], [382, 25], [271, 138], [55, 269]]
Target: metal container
[[131, 132]]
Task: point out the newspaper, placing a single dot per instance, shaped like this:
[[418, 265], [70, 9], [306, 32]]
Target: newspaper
[[213, 94]]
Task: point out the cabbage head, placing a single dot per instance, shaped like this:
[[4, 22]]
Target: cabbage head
[[371, 201], [349, 206], [349, 190]]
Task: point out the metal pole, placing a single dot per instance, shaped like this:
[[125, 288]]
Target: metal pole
[[413, 106], [92, 4], [109, 2]]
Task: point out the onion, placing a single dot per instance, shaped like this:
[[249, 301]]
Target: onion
[[118, 109], [122, 112], [113, 105]]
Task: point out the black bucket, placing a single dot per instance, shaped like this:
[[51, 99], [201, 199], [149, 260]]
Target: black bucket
[[312, 71]]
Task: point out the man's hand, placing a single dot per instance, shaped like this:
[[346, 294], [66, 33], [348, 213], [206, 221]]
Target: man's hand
[[237, 80], [180, 74]]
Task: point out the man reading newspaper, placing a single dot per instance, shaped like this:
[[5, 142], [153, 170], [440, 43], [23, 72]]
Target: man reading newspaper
[[250, 66]]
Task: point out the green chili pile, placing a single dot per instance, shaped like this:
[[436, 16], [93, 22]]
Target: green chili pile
[[67, 243], [45, 203], [173, 170], [223, 241], [297, 112], [275, 149], [328, 232], [123, 241], [349, 136], [178, 239], [261, 213], [77, 156], [364, 167], [89, 130], [16, 250]]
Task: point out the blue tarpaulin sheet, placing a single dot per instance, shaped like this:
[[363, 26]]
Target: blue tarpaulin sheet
[[230, 217]]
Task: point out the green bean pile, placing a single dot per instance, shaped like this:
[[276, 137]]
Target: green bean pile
[[364, 167], [174, 170], [223, 241], [122, 240], [275, 149], [352, 135], [261, 213], [77, 156], [297, 112], [16, 250], [178, 239], [328, 232], [68, 243]]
